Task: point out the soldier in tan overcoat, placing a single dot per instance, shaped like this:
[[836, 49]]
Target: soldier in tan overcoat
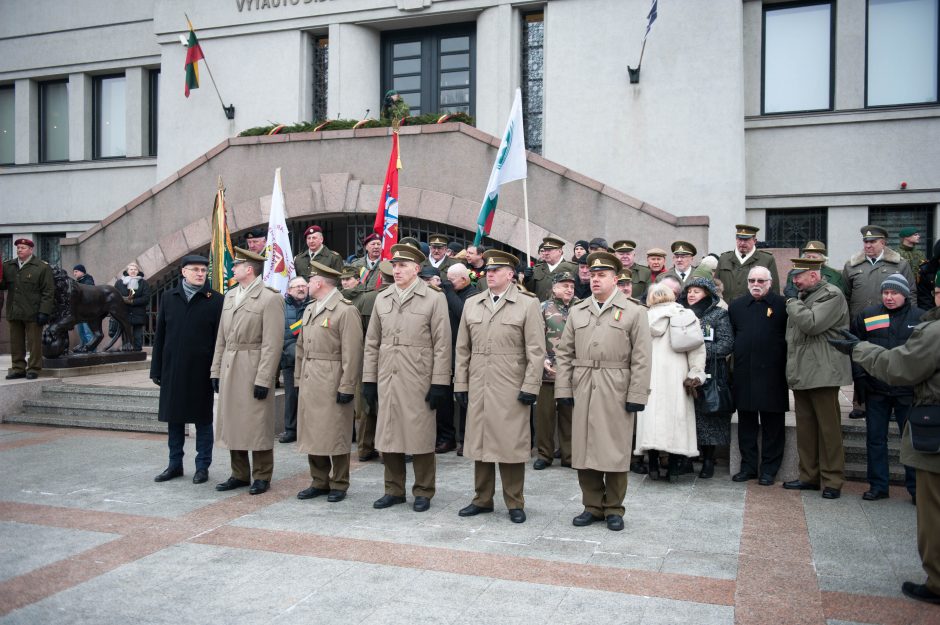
[[328, 365], [247, 353], [499, 354], [603, 365], [406, 370]]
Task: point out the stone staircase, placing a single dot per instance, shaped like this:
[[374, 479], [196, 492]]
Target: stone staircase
[[856, 456], [86, 406]]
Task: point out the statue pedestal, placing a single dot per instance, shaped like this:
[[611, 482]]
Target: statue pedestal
[[70, 361]]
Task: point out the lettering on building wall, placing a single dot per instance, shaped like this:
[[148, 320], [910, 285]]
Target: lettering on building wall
[[258, 5]]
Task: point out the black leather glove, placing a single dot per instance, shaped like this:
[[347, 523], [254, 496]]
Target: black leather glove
[[370, 392], [845, 345], [436, 396], [791, 291], [42, 319], [631, 407], [215, 384], [527, 273], [261, 392], [156, 381], [463, 399], [565, 401], [344, 398], [527, 399]]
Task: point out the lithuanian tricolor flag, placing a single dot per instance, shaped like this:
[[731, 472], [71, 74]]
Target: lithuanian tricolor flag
[[878, 322], [221, 258], [193, 56]]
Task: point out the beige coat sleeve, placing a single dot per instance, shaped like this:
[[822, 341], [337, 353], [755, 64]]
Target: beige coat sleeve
[[564, 354], [214, 372], [351, 327], [534, 346], [370, 357], [640, 356], [462, 356], [272, 340], [442, 348]]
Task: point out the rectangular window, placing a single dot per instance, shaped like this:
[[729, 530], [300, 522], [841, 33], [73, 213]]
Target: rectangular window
[[54, 121], [154, 113], [48, 249], [433, 70], [533, 44], [110, 136], [321, 66], [7, 116], [794, 228], [797, 58], [902, 49], [893, 218]]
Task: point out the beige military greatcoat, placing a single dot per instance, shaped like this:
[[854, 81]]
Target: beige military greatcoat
[[328, 361], [603, 361], [247, 352], [407, 348], [500, 352]]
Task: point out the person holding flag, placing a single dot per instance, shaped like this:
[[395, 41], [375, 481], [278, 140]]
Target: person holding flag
[[278, 264]]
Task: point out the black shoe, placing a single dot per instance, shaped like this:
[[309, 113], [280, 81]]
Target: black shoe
[[421, 504], [708, 469], [614, 522], [517, 515], [913, 500], [743, 476], [566, 464], [372, 455], [460, 449], [231, 484], [336, 495], [201, 476], [473, 510], [831, 493], [387, 501], [540, 464], [311, 492], [584, 519], [16, 375], [920, 592], [259, 486], [857, 414], [169, 473], [766, 480], [639, 467], [31, 375], [798, 485], [874, 495], [287, 437], [445, 446]]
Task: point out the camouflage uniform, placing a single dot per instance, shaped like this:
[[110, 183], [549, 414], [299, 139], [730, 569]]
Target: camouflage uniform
[[555, 314], [912, 255]]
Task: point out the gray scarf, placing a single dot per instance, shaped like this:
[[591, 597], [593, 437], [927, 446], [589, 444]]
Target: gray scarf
[[189, 290]]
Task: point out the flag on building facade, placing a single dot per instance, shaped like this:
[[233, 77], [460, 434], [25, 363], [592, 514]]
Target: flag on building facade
[[221, 257], [279, 260], [193, 56], [386, 217], [650, 18], [510, 165]]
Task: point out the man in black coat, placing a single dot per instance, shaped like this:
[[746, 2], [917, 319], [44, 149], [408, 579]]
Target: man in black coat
[[759, 322], [457, 288], [187, 323]]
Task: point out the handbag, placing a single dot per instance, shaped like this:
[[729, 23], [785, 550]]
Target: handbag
[[714, 396], [685, 334], [924, 423]]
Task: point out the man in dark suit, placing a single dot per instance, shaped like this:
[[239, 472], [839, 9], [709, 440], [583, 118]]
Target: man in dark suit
[[759, 321]]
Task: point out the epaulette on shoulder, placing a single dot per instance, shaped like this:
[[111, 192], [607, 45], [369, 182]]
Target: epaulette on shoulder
[[526, 292], [435, 287], [636, 301], [272, 289], [345, 301]]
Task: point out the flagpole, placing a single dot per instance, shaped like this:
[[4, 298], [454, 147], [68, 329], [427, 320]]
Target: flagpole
[[525, 204], [228, 110]]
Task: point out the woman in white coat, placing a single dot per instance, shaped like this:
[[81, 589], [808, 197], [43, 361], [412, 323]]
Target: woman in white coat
[[668, 423]]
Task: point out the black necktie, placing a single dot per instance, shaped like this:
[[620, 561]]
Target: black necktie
[[495, 298]]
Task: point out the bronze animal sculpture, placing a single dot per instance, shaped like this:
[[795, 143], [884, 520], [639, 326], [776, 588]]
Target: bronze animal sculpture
[[78, 303]]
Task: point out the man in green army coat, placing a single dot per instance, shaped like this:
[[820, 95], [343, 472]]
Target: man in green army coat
[[683, 261], [29, 306], [368, 265], [316, 251], [437, 256], [538, 279], [640, 276], [908, 249], [916, 363], [816, 250], [734, 265]]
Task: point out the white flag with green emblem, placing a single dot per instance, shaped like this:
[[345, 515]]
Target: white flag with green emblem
[[510, 165]]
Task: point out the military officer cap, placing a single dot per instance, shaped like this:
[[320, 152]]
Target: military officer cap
[[256, 233], [311, 229], [870, 233], [386, 269], [349, 272], [404, 252], [908, 232], [806, 264], [680, 248], [194, 259], [551, 243], [744, 231], [599, 261], [317, 269], [625, 276], [413, 242], [656, 251], [626, 245], [438, 240], [28, 242], [243, 256], [562, 276], [498, 258], [817, 247]]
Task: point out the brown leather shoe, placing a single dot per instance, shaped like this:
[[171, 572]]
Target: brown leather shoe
[[445, 446]]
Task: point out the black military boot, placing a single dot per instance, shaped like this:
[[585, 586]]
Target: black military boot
[[708, 462]]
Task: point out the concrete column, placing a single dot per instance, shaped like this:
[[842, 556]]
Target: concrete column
[[844, 236], [354, 72], [850, 55], [753, 70], [80, 117], [136, 114], [26, 112], [498, 58]]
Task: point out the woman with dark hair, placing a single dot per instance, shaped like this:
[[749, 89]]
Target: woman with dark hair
[[712, 428], [136, 293]]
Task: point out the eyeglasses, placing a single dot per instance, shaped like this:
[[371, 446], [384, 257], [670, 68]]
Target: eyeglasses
[[197, 269], [756, 281]]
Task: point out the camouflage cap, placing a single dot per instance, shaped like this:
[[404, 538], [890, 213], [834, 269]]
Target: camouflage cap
[[562, 276]]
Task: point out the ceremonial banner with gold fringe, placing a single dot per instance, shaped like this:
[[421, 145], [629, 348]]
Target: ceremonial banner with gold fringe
[[221, 257]]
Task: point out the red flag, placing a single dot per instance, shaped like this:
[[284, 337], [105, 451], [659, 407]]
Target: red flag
[[386, 217]]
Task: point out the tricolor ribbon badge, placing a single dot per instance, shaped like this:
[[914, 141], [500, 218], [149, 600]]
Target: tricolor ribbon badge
[[326, 323], [617, 314], [295, 327]]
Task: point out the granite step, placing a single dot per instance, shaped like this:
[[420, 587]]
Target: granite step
[[95, 421], [125, 409], [858, 472], [72, 390]]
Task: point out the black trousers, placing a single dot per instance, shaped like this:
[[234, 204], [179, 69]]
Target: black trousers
[[290, 401], [772, 429], [445, 419]]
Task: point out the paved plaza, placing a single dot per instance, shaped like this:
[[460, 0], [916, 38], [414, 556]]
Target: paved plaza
[[88, 537]]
